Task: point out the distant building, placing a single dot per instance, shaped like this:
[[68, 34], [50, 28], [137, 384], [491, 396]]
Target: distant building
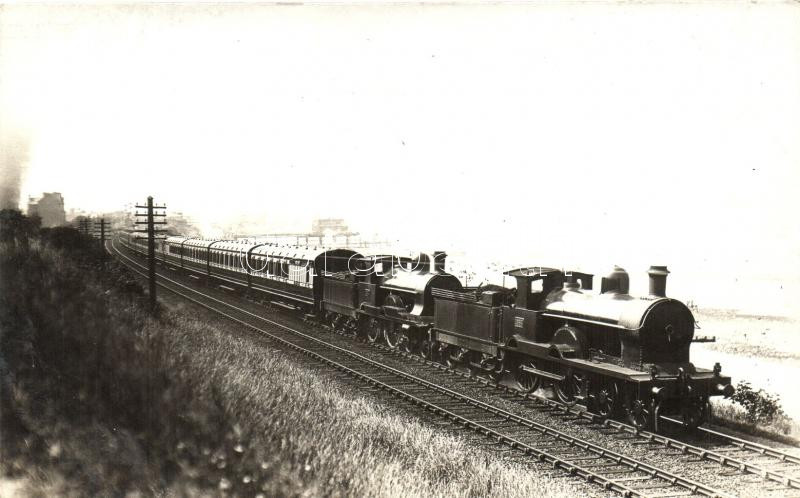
[[328, 226], [49, 207], [180, 224]]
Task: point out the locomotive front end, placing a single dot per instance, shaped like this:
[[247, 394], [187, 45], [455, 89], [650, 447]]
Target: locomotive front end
[[672, 385], [640, 346]]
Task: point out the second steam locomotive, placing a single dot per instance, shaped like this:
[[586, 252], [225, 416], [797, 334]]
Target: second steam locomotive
[[621, 356]]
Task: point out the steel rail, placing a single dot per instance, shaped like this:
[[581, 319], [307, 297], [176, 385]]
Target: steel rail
[[515, 443], [748, 445], [667, 442]]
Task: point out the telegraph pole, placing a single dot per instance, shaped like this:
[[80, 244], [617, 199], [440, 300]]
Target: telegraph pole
[[83, 225], [100, 228], [150, 216]]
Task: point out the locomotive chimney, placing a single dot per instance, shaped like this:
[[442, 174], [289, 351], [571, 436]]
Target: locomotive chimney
[[658, 280], [438, 261]]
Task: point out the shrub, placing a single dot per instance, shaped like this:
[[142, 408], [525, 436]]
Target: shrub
[[15, 226], [760, 406]]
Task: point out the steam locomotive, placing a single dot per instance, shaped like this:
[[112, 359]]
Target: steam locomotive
[[620, 356]]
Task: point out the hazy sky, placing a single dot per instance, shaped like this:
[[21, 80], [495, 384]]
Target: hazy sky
[[600, 133]]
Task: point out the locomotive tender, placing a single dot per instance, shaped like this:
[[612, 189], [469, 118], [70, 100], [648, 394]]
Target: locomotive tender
[[619, 355]]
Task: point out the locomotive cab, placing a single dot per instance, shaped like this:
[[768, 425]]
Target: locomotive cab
[[534, 285]]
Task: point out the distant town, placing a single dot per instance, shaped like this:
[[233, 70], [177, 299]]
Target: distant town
[[49, 209]]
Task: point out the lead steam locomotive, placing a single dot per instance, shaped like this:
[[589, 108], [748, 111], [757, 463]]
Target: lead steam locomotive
[[621, 356]]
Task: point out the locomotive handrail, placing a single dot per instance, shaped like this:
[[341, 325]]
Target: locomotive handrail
[[587, 320]]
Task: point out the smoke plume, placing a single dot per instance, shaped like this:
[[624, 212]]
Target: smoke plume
[[13, 161]]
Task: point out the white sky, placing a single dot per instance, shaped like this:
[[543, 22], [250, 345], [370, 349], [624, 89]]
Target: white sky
[[599, 133]]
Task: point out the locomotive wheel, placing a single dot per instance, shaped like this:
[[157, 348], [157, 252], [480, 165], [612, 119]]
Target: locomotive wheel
[[351, 327], [391, 334], [526, 381], [426, 349], [374, 331], [695, 413], [496, 373], [456, 356], [490, 366], [329, 319], [441, 352], [336, 323], [572, 389], [607, 400], [406, 341], [639, 415]]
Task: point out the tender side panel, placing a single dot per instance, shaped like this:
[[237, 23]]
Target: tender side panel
[[470, 325], [340, 296]]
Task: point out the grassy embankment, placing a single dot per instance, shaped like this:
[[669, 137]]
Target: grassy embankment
[[99, 397]]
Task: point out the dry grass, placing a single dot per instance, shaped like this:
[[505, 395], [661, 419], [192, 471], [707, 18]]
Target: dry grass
[[89, 409]]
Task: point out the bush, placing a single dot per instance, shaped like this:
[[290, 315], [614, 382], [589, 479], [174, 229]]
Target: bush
[[760, 406], [16, 227]]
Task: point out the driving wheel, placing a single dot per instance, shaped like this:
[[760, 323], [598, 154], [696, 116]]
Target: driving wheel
[[607, 400], [573, 388], [526, 381], [391, 334]]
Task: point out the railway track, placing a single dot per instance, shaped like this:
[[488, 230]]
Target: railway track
[[744, 456], [504, 430]]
